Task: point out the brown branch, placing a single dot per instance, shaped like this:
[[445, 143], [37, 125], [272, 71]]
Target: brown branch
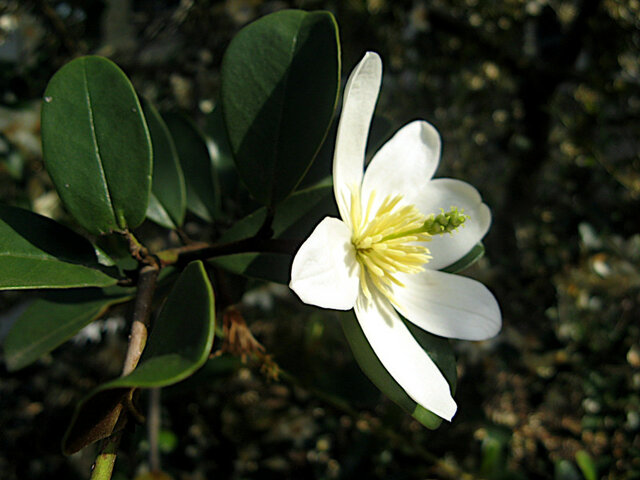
[[103, 466], [141, 314], [202, 250]]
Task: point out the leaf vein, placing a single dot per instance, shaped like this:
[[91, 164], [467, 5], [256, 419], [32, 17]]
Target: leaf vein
[[94, 138]]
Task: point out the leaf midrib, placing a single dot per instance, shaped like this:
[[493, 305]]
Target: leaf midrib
[[94, 138]]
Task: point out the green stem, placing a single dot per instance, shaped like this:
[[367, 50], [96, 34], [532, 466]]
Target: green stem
[[105, 461]]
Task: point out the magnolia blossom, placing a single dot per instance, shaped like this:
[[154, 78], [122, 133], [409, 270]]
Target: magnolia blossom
[[382, 257]]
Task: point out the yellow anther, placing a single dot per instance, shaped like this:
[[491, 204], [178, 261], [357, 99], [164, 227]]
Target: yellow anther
[[387, 241]]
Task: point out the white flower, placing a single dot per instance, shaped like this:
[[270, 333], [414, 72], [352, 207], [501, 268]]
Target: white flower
[[375, 259]]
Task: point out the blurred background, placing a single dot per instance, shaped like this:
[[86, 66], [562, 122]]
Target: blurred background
[[538, 105]]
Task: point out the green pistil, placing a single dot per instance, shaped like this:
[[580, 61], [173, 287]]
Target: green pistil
[[444, 222]]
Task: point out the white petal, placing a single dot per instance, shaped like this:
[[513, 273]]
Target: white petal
[[403, 357], [325, 271], [405, 164], [446, 193], [448, 305], [360, 96]]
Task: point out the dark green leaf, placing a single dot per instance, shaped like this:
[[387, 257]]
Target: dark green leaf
[[293, 221], [53, 319], [475, 254], [203, 192], [37, 252], [168, 200], [436, 347], [96, 145], [221, 154], [114, 250], [235, 200], [280, 80], [178, 345], [182, 335]]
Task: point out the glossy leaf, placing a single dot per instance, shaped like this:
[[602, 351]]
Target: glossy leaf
[[280, 80], [203, 192], [293, 221], [168, 201], [179, 344], [475, 254], [37, 252], [50, 321], [96, 145], [436, 347]]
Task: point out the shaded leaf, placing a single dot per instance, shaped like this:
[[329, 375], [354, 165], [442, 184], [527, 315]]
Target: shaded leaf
[[114, 250], [280, 81], [178, 345], [475, 254], [168, 200], [221, 155], [235, 199], [203, 192], [294, 220], [96, 145], [50, 321], [37, 252]]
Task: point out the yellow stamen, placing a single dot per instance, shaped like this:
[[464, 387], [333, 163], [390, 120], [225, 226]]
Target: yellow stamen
[[387, 240]]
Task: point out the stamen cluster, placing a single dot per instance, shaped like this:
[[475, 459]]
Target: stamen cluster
[[386, 241]]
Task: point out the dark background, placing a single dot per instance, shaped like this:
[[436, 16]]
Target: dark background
[[538, 105]]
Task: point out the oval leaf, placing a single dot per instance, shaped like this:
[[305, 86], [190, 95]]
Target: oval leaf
[[203, 192], [37, 252], [279, 87], [178, 345], [96, 145], [53, 319], [168, 200], [436, 347]]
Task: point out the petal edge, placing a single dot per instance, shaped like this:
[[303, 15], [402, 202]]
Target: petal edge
[[360, 97], [325, 271], [449, 305], [403, 357]]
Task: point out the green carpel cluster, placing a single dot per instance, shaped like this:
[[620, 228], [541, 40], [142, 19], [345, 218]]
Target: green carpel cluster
[[445, 222]]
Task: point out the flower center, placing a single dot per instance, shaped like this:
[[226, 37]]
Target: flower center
[[387, 239], [385, 242]]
